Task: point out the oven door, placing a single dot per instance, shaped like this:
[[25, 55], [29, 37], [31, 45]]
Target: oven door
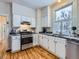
[[26, 40]]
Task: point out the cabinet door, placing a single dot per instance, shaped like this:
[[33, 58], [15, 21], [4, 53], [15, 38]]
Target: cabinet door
[[51, 44], [25, 18], [46, 16], [45, 41], [15, 43], [45, 21], [16, 20], [33, 22], [40, 39], [35, 39], [60, 48]]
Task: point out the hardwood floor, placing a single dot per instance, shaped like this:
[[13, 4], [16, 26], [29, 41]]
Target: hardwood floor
[[32, 53]]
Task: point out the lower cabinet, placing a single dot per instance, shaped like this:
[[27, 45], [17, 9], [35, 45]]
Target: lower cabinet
[[40, 40], [53, 44], [15, 43], [61, 47], [35, 39], [45, 41]]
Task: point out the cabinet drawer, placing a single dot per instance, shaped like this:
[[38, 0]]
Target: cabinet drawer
[[15, 43], [15, 37]]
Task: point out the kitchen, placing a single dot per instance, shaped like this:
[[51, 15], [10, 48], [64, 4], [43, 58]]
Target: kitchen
[[42, 29]]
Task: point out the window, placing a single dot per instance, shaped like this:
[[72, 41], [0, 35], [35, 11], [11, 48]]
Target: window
[[63, 21]]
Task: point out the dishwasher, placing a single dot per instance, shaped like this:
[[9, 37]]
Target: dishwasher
[[72, 49]]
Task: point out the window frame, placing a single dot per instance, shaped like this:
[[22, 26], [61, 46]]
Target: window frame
[[63, 20]]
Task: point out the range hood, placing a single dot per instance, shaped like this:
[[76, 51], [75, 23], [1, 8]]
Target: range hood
[[25, 26], [24, 22]]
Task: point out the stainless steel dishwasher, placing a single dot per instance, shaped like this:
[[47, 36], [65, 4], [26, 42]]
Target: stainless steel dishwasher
[[72, 49]]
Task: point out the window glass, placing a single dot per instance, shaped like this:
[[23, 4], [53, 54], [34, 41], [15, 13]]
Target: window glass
[[63, 20], [64, 13]]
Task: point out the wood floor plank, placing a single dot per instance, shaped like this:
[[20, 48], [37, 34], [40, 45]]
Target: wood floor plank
[[44, 51], [38, 54], [43, 54], [32, 53]]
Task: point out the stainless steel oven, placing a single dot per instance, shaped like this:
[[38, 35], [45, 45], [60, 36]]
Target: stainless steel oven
[[26, 40]]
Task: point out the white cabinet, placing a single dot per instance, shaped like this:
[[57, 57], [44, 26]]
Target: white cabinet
[[25, 18], [60, 47], [35, 39], [46, 16], [33, 22], [57, 45], [52, 44], [29, 19], [16, 20], [45, 41], [15, 43], [40, 39]]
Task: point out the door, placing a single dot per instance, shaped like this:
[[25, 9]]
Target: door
[[3, 30]]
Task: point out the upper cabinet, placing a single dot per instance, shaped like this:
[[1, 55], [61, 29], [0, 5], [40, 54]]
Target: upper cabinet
[[29, 19], [25, 18], [46, 16], [26, 14], [33, 22], [16, 20]]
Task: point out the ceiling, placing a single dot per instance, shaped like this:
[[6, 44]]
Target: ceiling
[[32, 3]]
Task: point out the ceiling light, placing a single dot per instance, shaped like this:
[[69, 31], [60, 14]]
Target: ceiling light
[[59, 1]]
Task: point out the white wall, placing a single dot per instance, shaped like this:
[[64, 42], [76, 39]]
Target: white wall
[[5, 10]]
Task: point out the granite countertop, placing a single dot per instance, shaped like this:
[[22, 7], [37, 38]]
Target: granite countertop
[[15, 34], [69, 38]]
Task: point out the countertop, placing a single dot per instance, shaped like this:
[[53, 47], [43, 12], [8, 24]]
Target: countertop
[[69, 38]]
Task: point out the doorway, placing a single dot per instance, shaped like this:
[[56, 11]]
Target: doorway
[[3, 32]]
